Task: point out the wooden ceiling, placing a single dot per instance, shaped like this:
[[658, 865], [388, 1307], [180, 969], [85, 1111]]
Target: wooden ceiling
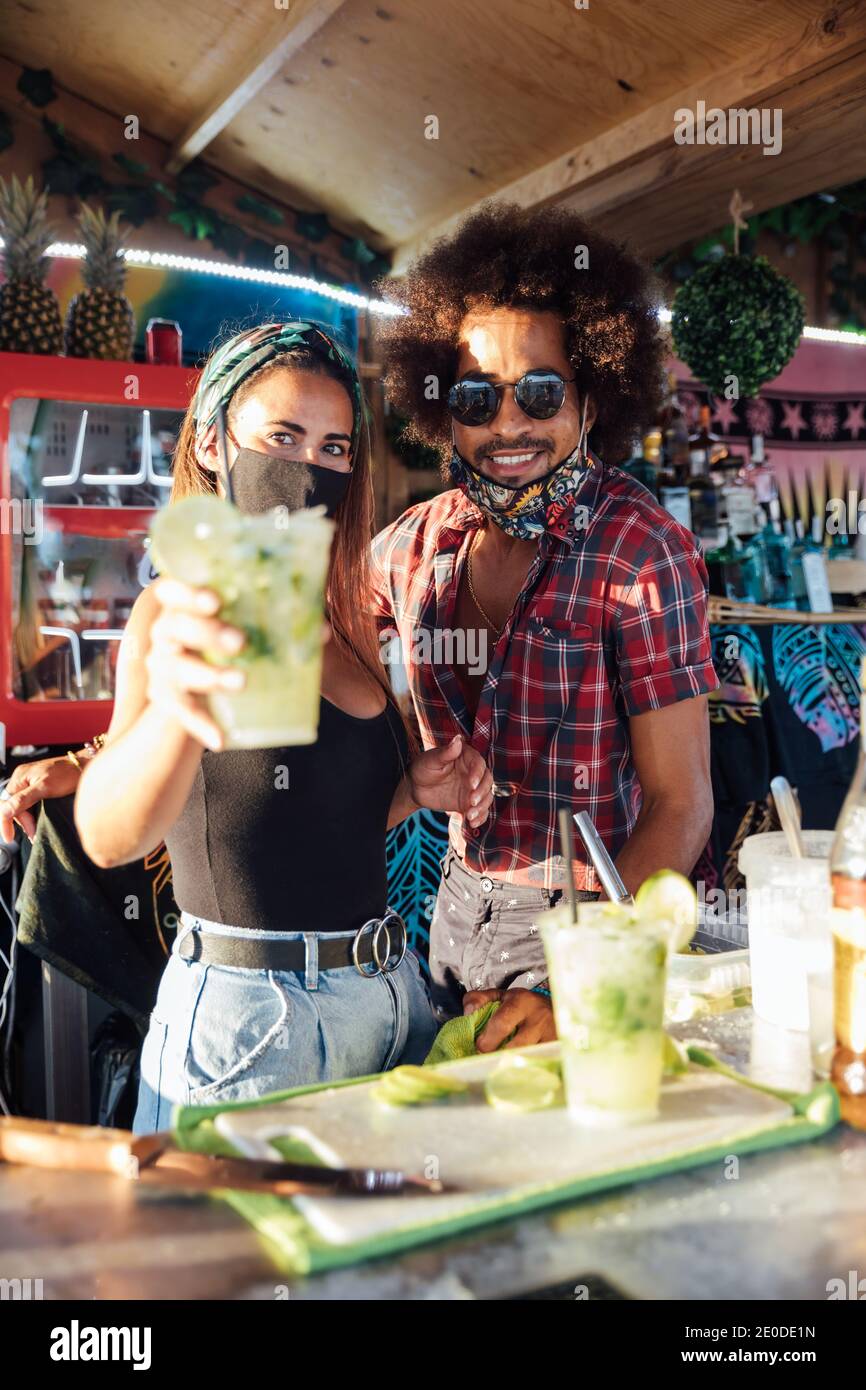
[[323, 103]]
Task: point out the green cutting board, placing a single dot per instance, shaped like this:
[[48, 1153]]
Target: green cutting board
[[505, 1163]]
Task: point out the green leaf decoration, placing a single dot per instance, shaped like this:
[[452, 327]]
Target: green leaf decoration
[[739, 317], [135, 203], [62, 175], [313, 226], [194, 181], [57, 135], [356, 249], [264, 211], [7, 134], [37, 85], [227, 236], [130, 166], [194, 219], [164, 191], [72, 170], [259, 253]]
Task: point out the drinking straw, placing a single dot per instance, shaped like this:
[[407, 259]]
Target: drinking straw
[[601, 860], [223, 454], [789, 815], [567, 841]]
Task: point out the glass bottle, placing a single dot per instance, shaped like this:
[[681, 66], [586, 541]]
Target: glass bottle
[[848, 879], [777, 549], [645, 465]]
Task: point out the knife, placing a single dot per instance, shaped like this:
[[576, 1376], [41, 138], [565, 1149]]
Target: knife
[[154, 1159]]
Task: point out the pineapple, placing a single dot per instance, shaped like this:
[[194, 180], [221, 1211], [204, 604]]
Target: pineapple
[[100, 321], [29, 312]]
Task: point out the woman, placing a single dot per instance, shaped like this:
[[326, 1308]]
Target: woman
[[287, 968]]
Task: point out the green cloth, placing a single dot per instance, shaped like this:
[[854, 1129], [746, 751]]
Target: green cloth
[[457, 1037], [110, 930]]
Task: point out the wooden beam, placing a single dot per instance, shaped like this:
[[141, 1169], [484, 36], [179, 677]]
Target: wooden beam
[[640, 156], [286, 31], [676, 201]]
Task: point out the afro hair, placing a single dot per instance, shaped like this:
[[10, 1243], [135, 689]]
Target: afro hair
[[505, 256]]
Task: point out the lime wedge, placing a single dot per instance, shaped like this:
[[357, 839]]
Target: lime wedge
[[667, 896], [416, 1086], [521, 1085], [676, 1058]]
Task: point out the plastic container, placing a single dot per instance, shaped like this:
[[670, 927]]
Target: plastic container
[[699, 985], [789, 922]]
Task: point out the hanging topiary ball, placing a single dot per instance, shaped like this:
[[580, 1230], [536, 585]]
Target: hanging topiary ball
[[740, 318]]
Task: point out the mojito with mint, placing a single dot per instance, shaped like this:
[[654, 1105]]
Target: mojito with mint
[[269, 570]]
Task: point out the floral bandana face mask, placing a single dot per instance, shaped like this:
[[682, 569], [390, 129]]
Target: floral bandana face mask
[[524, 511]]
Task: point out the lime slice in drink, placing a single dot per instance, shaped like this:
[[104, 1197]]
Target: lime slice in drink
[[605, 913], [416, 1086], [676, 1058], [521, 1085], [189, 539], [667, 896]]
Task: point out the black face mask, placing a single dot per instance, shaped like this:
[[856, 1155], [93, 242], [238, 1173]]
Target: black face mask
[[261, 481]]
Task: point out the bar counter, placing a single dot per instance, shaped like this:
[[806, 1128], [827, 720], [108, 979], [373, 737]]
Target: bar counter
[[787, 1224]]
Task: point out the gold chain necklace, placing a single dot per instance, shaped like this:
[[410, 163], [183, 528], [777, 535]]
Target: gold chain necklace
[[472, 592]]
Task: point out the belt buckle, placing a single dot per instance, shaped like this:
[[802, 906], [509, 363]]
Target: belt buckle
[[379, 965]]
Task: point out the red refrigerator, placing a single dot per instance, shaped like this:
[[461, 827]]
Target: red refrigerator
[[85, 456]]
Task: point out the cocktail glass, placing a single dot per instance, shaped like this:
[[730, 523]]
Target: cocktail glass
[[269, 570], [607, 982]]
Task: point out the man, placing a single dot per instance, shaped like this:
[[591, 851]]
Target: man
[[524, 333]]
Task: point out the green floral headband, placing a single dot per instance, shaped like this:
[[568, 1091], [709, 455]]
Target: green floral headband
[[245, 353]]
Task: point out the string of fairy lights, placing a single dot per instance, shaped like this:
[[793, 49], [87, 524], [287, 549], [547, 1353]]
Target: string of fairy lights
[[201, 265]]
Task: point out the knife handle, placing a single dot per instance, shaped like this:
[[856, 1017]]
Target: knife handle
[[50, 1144]]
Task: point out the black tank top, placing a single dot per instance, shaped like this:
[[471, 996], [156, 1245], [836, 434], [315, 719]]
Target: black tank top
[[292, 839]]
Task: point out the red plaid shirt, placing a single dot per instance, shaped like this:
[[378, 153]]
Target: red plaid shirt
[[610, 623]]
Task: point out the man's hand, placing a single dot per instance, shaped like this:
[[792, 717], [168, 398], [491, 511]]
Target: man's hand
[[452, 778], [531, 1014]]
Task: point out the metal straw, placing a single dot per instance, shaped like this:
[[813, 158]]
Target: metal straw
[[602, 862], [567, 841], [223, 454]]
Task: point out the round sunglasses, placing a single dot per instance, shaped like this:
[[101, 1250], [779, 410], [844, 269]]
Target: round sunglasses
[[540, 393]]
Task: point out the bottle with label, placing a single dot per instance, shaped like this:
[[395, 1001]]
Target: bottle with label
[[811, 581], [738, 499], [777, 550], [735, 570], [848, 878], [759, 474], [706, 450], [705, 505], [673, 489], [676, 431], [646, 461]]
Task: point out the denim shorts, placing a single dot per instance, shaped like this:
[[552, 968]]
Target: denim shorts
[[220, 1033]]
